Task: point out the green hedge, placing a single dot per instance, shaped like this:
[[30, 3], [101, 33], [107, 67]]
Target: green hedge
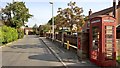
[[20, 34], [8, 34], [118, 59], [1, 37]]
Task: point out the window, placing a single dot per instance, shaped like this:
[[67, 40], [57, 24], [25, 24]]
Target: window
[[109, 36], [95, 42]]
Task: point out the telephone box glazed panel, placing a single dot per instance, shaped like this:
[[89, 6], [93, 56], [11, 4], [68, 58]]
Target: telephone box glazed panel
[[103, 40]]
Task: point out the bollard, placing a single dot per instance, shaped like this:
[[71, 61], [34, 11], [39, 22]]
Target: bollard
[[68, 45]]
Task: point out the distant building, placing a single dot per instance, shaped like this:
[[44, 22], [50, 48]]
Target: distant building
[[28, 31]]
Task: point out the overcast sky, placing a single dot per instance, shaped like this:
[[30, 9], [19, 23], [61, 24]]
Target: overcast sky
[[41, 9]]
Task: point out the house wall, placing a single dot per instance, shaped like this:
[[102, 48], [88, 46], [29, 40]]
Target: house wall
[[28, 30], [118, 14], [117, 17], [111, 13]]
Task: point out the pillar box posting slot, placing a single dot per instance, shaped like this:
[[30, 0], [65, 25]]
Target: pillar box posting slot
[[103, 40]]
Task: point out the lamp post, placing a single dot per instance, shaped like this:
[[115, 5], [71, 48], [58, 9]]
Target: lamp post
[[52, 21]]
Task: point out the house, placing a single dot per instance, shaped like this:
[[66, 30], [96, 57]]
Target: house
[[109, 11], [28, 31], [112, 11]]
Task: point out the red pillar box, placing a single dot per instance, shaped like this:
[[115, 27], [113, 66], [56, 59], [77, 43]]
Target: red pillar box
[[103, 40]]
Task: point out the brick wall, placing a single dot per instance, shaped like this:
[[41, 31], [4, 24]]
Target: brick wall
[[118, 15], [85, 45]]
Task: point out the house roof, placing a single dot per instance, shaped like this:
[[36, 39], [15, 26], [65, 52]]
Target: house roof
[[102, 12], [102, 16]]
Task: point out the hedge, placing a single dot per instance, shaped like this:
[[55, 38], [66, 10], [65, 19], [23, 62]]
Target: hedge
[[118, 59], [1, 37], [20, 33], [8, 34]]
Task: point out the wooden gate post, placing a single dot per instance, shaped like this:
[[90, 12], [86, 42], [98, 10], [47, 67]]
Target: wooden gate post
[[68, 45]]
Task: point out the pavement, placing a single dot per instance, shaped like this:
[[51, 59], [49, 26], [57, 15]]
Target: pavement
[[38, 52], [69, 58]]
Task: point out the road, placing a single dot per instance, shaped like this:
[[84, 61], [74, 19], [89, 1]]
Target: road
[[38, 52], [29, 51]]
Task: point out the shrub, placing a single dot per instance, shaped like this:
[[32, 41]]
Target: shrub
[[20, 33], [14, 34], [1, 36], [8, 34], [118, 59]]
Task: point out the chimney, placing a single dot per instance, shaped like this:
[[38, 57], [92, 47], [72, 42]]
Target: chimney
[[90, 12], [118, 2], [114, 8]]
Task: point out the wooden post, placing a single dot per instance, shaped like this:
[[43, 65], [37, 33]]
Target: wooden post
[[68, 45]]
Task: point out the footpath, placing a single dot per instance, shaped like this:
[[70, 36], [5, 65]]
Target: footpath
[[67, 57]]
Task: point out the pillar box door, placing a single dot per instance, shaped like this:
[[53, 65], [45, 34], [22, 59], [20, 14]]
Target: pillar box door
[[103, 40]]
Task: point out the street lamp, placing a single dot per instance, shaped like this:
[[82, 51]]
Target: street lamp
[[52, 21]]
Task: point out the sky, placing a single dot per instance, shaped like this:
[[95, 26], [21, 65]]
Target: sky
[[42, 9]]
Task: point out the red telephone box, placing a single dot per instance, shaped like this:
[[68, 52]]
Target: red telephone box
[[103, 40]]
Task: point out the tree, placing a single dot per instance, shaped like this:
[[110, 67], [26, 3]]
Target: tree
[[16, 14], [71, 15], [26, 25], [35, 29], [50, 21], [45, 28]]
